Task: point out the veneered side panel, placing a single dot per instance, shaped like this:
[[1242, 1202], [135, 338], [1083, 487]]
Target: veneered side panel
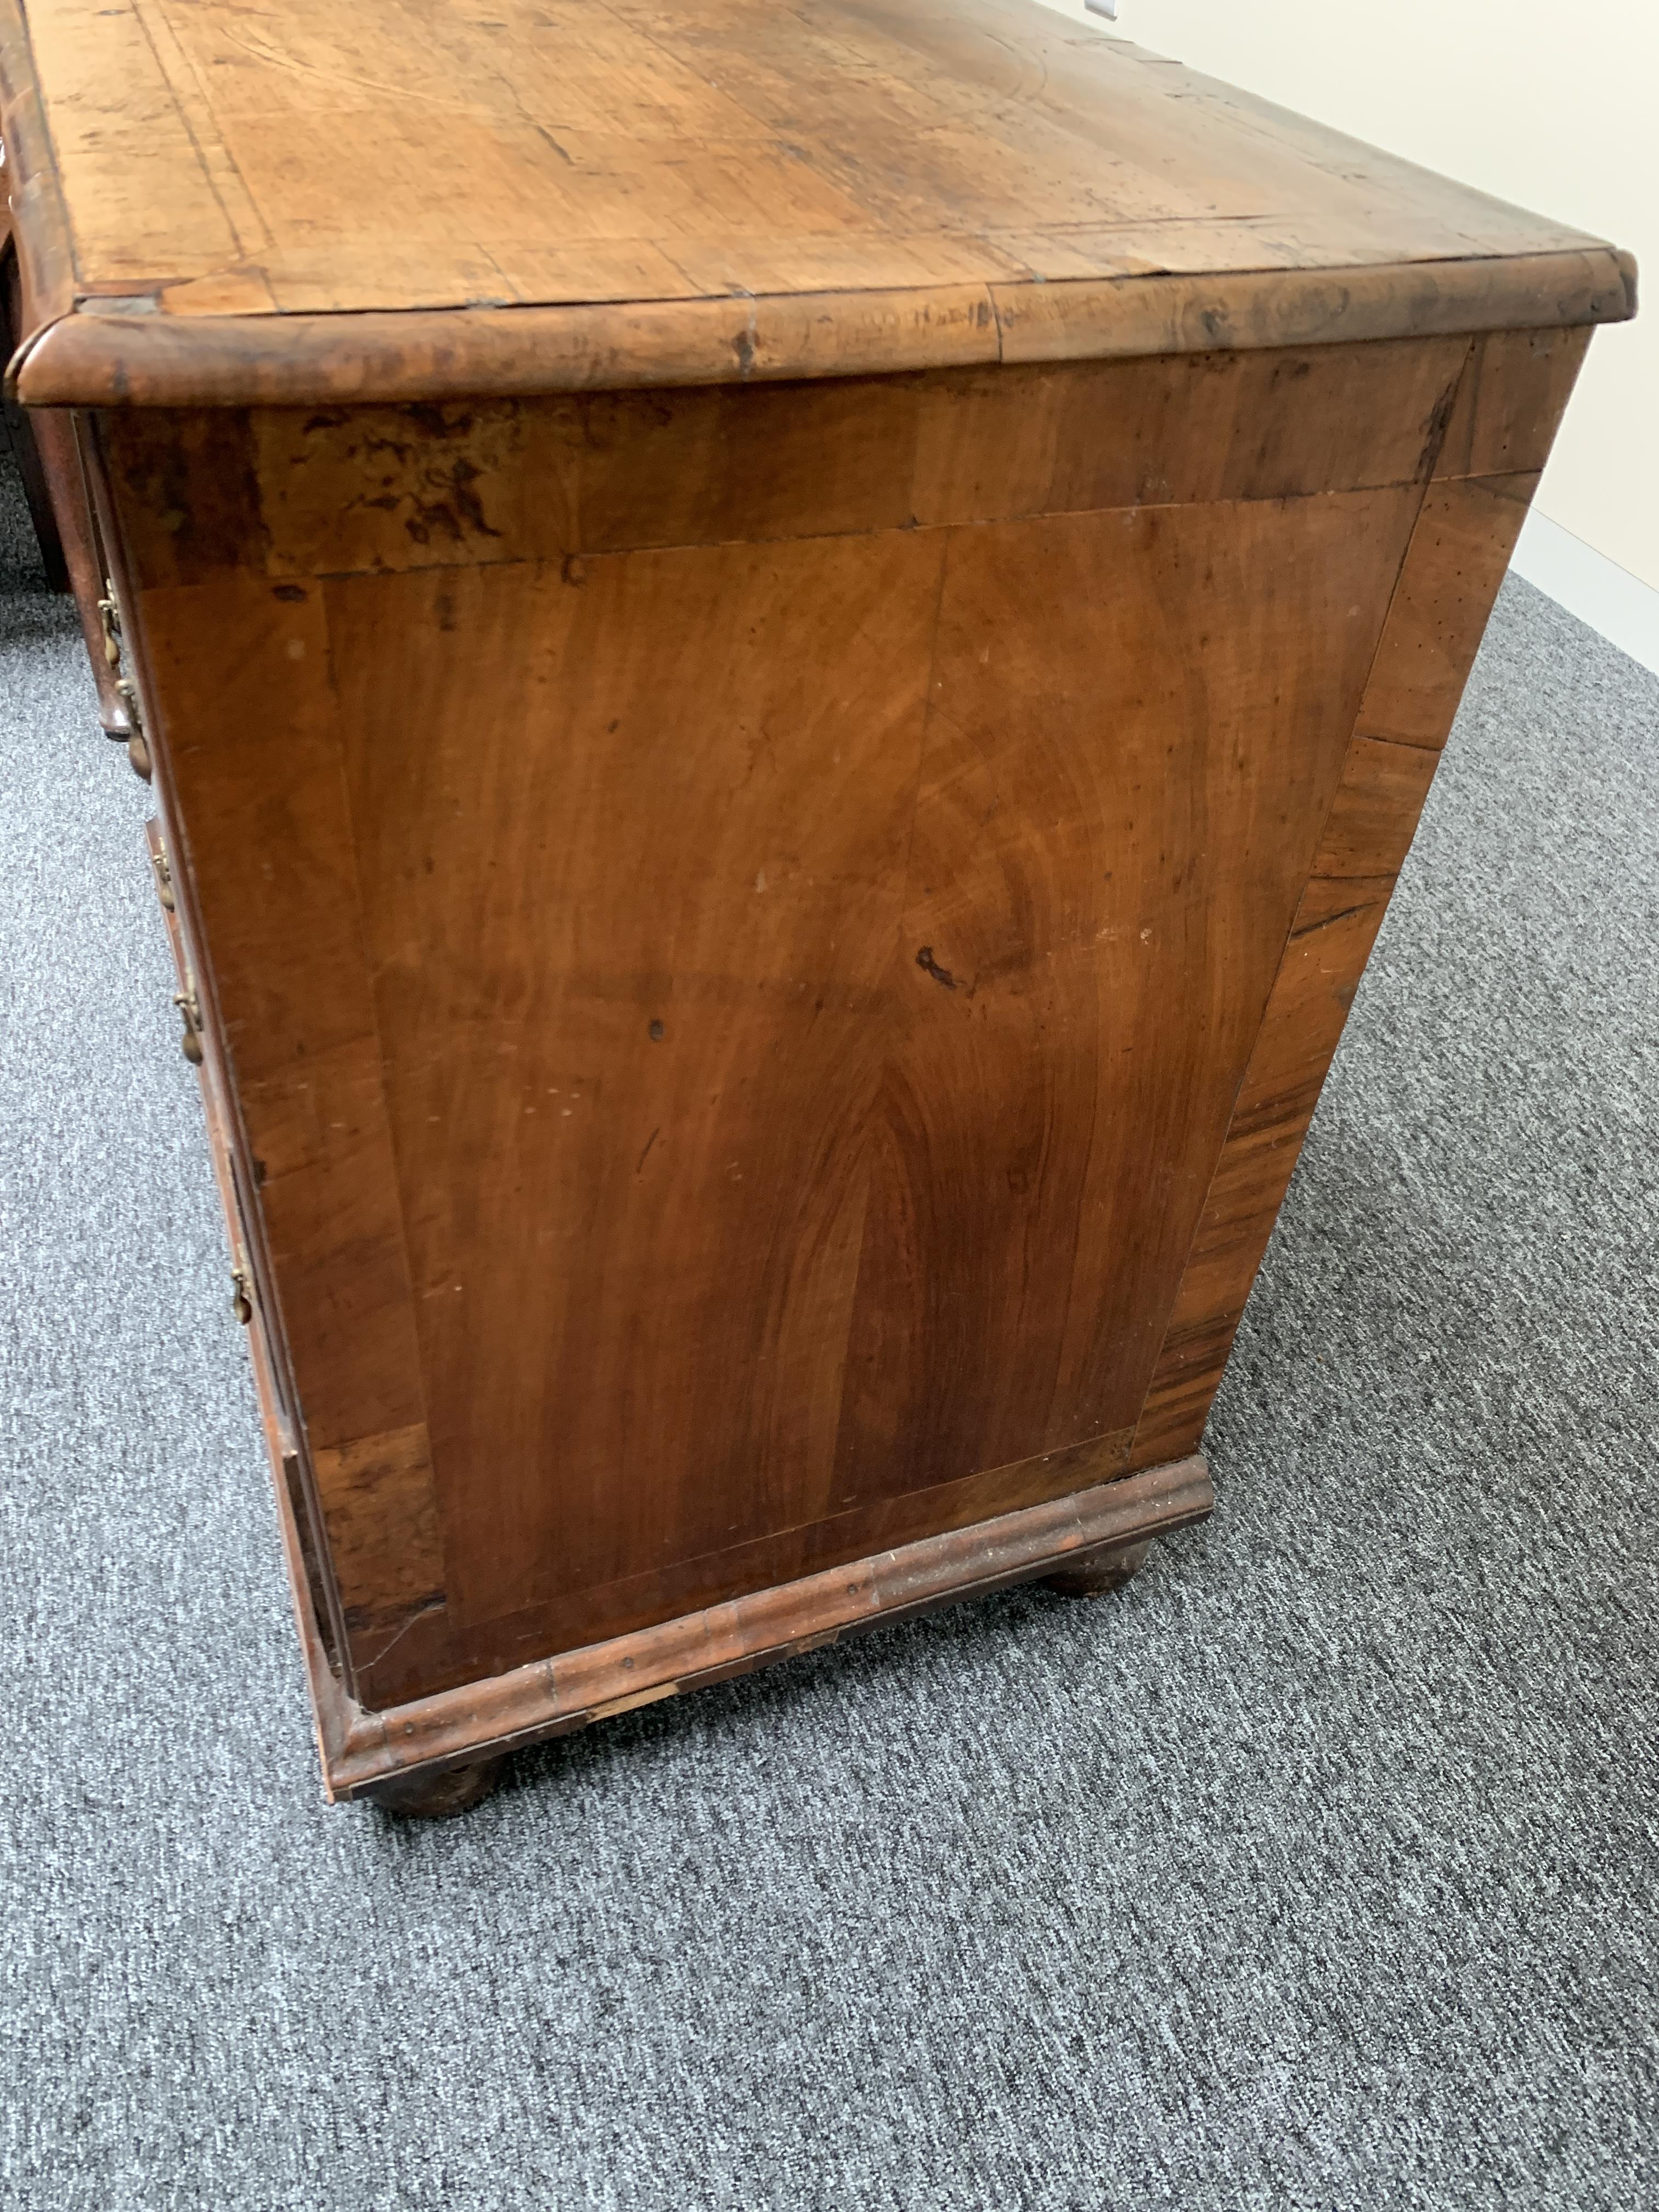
[[737, 1035], [1508, 405]]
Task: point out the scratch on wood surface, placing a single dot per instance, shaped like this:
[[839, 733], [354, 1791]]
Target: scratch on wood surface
[[1329, 921], [435, 1603]]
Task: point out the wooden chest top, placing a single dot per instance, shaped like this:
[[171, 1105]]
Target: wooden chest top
[[373, 199]]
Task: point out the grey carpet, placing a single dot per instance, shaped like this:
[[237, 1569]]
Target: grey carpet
[[1315, 1869]]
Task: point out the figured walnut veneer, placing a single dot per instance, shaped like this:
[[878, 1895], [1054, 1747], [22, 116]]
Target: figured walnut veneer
[[771, 835]]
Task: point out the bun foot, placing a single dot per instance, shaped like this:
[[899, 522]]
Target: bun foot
[[1096, 1572], [437, 1796]]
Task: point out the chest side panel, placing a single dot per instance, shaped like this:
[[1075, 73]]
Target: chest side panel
[[748, 915]]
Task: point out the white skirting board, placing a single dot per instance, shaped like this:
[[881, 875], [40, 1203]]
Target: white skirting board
[[1613, 603]]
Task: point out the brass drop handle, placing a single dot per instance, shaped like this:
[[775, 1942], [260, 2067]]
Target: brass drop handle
[[109, 614], [240, 1303], [163, 868], [191, 1043], [137, 742]]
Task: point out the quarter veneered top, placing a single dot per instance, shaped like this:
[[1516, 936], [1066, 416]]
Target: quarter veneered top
[[376, 199]]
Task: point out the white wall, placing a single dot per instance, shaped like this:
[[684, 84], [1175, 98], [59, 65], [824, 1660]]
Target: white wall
[[1556, 109]]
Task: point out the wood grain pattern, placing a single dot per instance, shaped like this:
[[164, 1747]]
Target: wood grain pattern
[[744, 145], [685, 1075], [843, 1183], [527, 1704], [1054, 438], [1508, 402], [1301, 1028], [363, 1749], [373, 490], [295, 1045], [1460, 552], [1511, 401], [439, 1646], [783, 720], [311, 1581], [94, 359], [37, 217], [1069, 875], [735, 192]]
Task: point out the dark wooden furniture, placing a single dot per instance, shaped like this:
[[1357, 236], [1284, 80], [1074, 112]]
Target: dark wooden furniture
[[782, 720]]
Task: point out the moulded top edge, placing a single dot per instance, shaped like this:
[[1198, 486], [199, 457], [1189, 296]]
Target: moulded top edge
[[338, 198], [93, 357]]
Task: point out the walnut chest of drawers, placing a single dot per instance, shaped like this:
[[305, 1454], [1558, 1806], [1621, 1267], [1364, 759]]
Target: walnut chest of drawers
[[787, 655]]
